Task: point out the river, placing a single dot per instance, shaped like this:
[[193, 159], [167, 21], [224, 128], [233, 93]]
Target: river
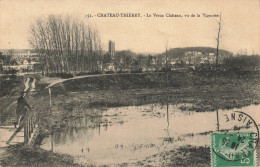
[[129, 134]]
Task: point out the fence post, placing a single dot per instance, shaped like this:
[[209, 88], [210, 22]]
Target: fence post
[[29, 126], [50, 97], [25, 129], [31, 122]]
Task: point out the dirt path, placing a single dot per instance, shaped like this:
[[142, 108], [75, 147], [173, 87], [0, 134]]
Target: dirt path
[[27, 87], [55, 81]]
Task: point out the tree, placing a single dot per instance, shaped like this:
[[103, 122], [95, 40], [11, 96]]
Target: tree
[[125, 57], [7, 58], [66, 44], [218, 39], [149, 60], [166, 65], [243, 62]]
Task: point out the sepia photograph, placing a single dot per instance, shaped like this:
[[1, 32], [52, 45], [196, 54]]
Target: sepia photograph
[[129, 83]]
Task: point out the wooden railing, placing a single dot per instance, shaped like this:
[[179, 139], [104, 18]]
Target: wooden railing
[[30, 125]]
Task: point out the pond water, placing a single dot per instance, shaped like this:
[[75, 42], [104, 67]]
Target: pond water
[[129, 134]]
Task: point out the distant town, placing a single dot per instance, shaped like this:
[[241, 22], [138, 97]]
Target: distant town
[[145, 83], [112, 61]]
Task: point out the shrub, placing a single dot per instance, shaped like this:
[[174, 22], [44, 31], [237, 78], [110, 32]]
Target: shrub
[[89, 73], [121, 72], [109, 72], [82, 73], [137, 71], [61, 75], [11, 71]]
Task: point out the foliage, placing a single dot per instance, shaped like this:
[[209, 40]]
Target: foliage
[[88, 73], [8, 84], [124, 58], [110, 72], [8, 58], [65, 44], [11, 71], [127, 59], [242, 62], [61, 75]]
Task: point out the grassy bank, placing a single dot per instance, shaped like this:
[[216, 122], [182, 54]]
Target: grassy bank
[[9, 92], [11, 86], [183, 156], [17, 155], [205, 91]]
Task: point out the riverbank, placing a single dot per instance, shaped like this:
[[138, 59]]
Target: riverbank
[[187, 156], [207, 91], [92, 95], [17, 155], [203, 91]]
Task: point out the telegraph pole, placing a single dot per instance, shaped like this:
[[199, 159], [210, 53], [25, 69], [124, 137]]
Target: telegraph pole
[[166, 65]]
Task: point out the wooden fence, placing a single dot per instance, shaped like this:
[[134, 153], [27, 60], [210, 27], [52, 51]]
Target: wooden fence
[[30, 125]]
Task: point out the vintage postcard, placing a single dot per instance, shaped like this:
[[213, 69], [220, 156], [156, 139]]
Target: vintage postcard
[[129, 83]]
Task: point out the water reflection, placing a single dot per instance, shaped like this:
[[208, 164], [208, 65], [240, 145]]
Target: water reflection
[[126, 134]]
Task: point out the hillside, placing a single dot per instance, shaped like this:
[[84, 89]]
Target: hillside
[[176, 53]]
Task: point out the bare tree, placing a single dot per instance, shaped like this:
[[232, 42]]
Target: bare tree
[[218, 39], [166, 63], [65, 44]]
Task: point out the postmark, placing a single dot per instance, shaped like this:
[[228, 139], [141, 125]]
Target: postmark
[[236, 141]]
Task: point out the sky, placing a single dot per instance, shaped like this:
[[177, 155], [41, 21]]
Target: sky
[[240, 23]]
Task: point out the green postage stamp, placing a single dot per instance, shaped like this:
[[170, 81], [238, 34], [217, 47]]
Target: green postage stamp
[[233, 149], [235, 143]]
